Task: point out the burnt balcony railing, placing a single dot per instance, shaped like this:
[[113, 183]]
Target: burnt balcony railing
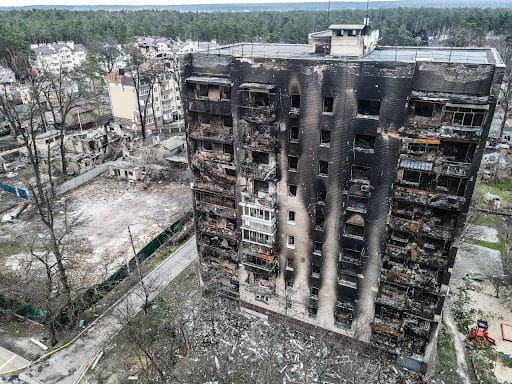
[[260, 261], [263, 114], [414, 226], [222, 107], [452, 168], [259, 171], [215, 132], [206, 207], [461, 132], [429, 198]]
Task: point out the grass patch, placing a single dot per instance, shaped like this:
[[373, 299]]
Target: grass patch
[[488, 220], [499, 246], [502, 188], [484, 359], [9, 248], [447, 357]]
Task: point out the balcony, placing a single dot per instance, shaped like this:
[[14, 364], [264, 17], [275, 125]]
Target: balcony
[[212, 228], [222, 107], [260, 261], [214, 132], [264, 199], [216, 252], [435, 231], [215, 172], [461, 133], [263, 226], [452, 168], [437, 200], [262, 115], [202, 184], [225, 158], [218, 210], [261, 142], [259, 171]]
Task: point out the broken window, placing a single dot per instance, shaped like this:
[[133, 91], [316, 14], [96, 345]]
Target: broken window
[[364, 142], [321, 196], [317, 247], [259, 99], [207, 145], [319, 220], [291, 217], [202, 90], [315, 270], [225, 92], [292, 190], [459, 115], [290, 241], [294, 133], [328, 104], [354, 226], [325, 137], [368, 107], [339, 32], [423, 109], [230, 172], [260, 186], [260, 157], [292, 163], [295, 101], [228, 149], [323, 168], [360, 173], [228, 121]]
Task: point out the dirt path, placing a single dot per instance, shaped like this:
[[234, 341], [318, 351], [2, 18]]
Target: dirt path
[[67, 365], [458, 343]]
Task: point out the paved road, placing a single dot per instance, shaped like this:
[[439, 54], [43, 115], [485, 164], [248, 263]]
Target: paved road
[[66, 366], [10, 361]]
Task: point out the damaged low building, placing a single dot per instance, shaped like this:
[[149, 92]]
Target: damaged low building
[[332, 187]]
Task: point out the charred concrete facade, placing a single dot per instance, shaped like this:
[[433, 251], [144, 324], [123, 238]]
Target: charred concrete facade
[[334, 189]]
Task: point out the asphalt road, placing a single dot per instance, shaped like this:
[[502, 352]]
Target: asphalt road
[[67, 365], [10, 361]]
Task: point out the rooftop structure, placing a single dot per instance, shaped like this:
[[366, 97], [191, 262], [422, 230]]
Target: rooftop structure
[[333, 188], [57, 57]]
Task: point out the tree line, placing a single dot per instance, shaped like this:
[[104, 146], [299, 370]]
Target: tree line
[[398, 26]]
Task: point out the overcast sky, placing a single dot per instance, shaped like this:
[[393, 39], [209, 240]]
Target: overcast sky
[[22, 3]]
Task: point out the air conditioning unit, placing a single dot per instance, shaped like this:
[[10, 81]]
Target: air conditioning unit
[[365, 188]]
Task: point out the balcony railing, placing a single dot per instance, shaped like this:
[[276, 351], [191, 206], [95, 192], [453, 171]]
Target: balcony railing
[[259, 171], [211, 131], [430, 198], [258, 114], [221, 107]]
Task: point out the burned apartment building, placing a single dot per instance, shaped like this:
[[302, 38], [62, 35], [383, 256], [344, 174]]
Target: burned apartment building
[[333, 188]]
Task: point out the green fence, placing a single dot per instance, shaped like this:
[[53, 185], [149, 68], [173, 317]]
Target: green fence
[[99, 291]]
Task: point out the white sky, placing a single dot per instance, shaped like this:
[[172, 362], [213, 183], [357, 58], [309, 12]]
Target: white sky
[[22, 3]]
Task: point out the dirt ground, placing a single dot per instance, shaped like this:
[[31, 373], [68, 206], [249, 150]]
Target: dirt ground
[[477, 298], [101, 243]]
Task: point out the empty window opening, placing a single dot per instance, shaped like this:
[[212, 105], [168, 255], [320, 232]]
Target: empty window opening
[[230, 172], [228, 149], [202, 90], [290, 242], [315, 271], [207, 146], [291, 217], [317, 247], [364, 142], [292, 163], [228, 121], [225, 92], [294, 133], [423, 109], [339, 32], [360, 173], [328, 104], [290, 263], [325, 137], [321, 196], [368, 107], [295, 101], [319, 220], [292, 190], [260, 157], [354, 226], [259, 99], [260, 186], [323, 168], [314, 291]]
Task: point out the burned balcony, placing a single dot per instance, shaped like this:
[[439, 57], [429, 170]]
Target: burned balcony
[[217, 252], [225, 175], [258, 238], [348, 278], [426, 148], [364, 143], [452, 168], [357, 203], [424, 114], [461, 133], [219, 210], [418, 227], [221, 108], [419, 196], [344, 312], [259, 261], [294, 106], [217, 227], [259, 171], [352, 256], [264, 199], [258, 102], [212, 131], [384, 337], [414, 164], [221, 156]]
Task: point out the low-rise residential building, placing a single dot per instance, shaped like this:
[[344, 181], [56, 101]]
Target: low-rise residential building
[[58, 57]]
